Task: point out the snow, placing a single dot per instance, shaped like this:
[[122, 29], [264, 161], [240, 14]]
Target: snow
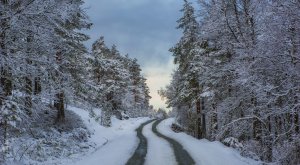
[[207, 94], [159, 150], [233, 142], [116, 144], [204, 151], [48, 143], [113, 145]]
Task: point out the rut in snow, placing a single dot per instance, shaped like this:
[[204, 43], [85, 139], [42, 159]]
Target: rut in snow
[[138, 158], [182, 156]]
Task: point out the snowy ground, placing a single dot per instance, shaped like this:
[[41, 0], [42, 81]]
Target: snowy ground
[[42, 141], [203, 151], [114, 145], [159, 150]]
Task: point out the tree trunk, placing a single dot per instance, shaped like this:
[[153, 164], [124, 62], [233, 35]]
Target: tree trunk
[[28, 98], [5, 140], [5, 76], [269, 124], [105, 118], [59, 100], [296, 121], [269, 153], [37, 86], [293, 51], [6, 83], [203, 126], [257, 130], [198, 106], [59, 105], [2, 83]]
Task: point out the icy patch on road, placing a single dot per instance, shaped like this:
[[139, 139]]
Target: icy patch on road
[[203, 151], [159, 151]]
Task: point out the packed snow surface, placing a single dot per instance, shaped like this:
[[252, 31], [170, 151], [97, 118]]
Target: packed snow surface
[[159, 150], [114, 145], [203, 151]]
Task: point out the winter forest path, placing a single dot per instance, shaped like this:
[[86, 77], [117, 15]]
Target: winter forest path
[[182, 156], [140, 153], [161, 149]]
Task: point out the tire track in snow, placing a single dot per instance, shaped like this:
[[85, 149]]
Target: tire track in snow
[[159, 150], [138, 158], [182, 156]]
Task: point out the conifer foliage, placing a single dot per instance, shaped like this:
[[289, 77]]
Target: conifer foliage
[[238, 75], [117, 84], [44, 66]]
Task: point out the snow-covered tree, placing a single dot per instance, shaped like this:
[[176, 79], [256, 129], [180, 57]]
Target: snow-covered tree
[[120, 88], [138, 90], [245, 63], [186, 55], [39, 48]]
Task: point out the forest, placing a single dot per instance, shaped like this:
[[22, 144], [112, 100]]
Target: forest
[[45, 66], [237, 79]]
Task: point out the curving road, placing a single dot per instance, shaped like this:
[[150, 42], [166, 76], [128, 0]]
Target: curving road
[[159, 150], [138, 158], [162, 150], [182, 156]]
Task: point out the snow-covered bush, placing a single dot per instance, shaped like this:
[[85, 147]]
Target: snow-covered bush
[[233, 142], [176, 127], [44, 141], [10, 117]]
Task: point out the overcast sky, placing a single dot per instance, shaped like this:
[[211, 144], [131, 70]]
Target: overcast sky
[[145, 29]]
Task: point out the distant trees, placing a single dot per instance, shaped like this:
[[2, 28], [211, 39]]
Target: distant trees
[[117, 84], [161, 113], [240, 67]]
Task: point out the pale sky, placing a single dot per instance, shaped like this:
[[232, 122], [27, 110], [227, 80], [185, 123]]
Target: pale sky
[[145, 29]]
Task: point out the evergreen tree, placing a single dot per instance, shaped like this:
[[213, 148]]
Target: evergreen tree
[[120, 88], [244, 66], [112, 78], [185, 54]]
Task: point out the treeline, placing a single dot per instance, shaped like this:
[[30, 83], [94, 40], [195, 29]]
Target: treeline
[[238, 75], [115, 84], [44, 66]]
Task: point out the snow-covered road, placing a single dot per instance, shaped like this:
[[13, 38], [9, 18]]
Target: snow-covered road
[[166, 147], [113, 145], [159, 150], [117, 144], [181, 155], [203, 151]]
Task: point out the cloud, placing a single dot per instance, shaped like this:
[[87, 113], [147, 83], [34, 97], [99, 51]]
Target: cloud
[[145, 29]]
